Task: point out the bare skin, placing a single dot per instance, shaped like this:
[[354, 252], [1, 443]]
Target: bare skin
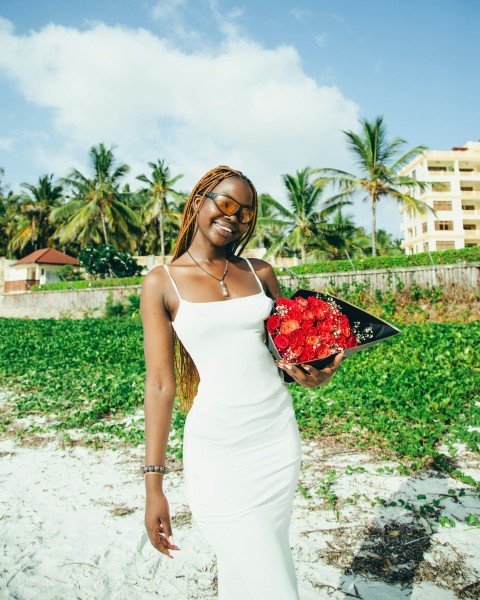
[[158, 307]]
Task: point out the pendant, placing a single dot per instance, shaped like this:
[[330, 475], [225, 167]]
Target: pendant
[[224, 288]]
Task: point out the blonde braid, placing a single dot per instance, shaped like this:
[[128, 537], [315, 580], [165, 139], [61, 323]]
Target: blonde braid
[[187, 374]]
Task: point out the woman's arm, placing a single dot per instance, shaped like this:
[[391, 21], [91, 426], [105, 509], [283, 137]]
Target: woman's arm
[[314, 377], [159, 398]]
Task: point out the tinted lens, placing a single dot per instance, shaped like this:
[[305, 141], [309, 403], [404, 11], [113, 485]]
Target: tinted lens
[[226, 205], [246, 215], [229, 207]]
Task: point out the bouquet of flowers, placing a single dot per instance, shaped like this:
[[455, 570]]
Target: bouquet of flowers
[[311, 328]]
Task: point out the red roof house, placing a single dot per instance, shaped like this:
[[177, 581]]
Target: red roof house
[[38, 267]]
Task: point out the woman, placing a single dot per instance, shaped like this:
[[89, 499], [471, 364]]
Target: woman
[[242, 448]]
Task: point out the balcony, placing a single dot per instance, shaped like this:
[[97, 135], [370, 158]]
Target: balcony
[[467, 173], [441, 172], [472, 234], [475, 195], [471, 214]]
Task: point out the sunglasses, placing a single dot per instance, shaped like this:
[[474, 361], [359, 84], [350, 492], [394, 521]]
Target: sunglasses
[[228, 206]]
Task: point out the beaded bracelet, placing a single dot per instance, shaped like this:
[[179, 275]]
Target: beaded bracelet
[[155, 469]]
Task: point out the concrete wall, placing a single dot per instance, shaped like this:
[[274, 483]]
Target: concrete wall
[[74, 304]]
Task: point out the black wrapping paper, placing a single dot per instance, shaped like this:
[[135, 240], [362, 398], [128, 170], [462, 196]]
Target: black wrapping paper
[[380, 330]]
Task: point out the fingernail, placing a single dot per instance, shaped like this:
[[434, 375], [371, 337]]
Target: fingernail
[[170, 539], [288, 367], [307, 368]]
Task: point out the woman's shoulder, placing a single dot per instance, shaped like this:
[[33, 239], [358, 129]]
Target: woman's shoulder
[[155, 279], [260, 265]]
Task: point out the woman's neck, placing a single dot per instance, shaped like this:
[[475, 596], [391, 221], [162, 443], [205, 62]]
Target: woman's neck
[[205, 252]]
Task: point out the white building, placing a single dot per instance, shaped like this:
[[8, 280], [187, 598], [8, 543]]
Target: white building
[[454, 195], [40, 266]]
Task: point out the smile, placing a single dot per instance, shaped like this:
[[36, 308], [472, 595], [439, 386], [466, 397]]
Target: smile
[[223, 229]]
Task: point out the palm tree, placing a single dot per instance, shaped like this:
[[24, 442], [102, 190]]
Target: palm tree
[[97, 202], [36, 204], [379, 166], [160, 188], [345, 237], [306, 225], [270, 229]]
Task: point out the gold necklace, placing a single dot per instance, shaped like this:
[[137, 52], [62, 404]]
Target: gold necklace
[[223, 285]]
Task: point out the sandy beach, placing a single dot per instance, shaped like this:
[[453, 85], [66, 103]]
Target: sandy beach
[[71, 528]]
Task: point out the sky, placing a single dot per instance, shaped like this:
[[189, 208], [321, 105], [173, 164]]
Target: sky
[[265, 87]]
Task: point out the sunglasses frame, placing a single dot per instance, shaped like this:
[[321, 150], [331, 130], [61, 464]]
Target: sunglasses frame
[[240, 208]]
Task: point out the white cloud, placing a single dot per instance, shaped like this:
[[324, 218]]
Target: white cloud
[[238, 103]]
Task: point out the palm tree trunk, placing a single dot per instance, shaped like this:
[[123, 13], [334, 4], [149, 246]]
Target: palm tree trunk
[[304, 255], [374, 226], [162, 237], [351, 262], [104, 227]]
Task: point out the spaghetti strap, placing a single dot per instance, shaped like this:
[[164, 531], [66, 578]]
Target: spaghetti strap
[[256, 276], [173, 282]]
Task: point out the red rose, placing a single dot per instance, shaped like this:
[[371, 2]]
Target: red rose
[[323, 351], [302, 302], [273, 323], [307, 316], [297, 338], [309, 329], [307, 354], [344, 325], [281, 342], [285, 303], [296, 350], [352, 342], [288, 327], [320, 313], [341, 341]]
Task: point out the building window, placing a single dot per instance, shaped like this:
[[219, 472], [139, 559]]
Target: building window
[[442, 205], [468, 207], [464, 188], [445, 245], [471, 244], [414, 174], [469, 227], [443, 225], [415, 232], [409, 233], [441, 168], [42, 271], [424, 227]]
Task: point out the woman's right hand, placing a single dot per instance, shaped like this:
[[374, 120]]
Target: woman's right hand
[[157, 522]]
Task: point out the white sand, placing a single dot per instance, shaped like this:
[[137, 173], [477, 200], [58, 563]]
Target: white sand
[[60, 539]]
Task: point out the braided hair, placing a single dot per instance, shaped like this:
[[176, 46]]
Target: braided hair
[[187, 374]]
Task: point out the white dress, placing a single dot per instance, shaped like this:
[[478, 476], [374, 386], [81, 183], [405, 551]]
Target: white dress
[[241, 449]]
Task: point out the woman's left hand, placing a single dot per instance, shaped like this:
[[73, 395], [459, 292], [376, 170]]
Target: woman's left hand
[[314, 377]]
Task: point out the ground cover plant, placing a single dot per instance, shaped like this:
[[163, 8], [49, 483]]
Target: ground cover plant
[[422, 259], [405, 395]]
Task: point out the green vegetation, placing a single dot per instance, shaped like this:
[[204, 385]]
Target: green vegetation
[[379, 164], [445, 257], [99, 207], [405, 395]]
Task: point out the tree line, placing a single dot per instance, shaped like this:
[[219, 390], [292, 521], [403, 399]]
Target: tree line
[[98, 207]]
